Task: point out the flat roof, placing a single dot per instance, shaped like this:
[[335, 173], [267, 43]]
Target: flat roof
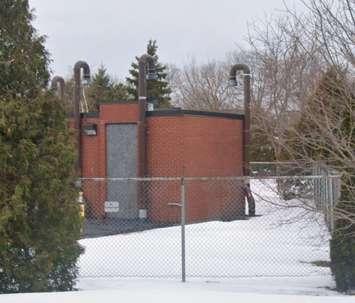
[[181, 112]]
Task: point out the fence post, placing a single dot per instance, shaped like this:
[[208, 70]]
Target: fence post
[[317, 186], [183, 222], [325, 198], [331, 200]]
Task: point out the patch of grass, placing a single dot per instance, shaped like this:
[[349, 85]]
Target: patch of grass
[[321, 263]]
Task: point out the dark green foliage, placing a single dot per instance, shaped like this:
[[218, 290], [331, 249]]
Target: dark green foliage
[[342, 245], [103, 89], [69, 96], [261, 148], [100, 85], [23, 58], [157, 90], [327, 127], [327, 116], [39, 220], [39, 216]]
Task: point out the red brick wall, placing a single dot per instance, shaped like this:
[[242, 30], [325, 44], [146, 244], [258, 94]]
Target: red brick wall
[[195, 146], [179, 145]]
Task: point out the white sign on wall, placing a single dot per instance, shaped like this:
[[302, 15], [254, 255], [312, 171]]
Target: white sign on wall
[[112, 206]]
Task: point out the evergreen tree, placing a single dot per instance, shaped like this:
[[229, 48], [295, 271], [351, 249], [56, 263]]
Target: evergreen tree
[[342, 245], [69, 95], [39, 216], [39, 222], [119, 92], [103, 89], [23, 58], [328, 117], [157, 90], [261, 149]]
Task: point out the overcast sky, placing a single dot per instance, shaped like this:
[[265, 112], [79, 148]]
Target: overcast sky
[[112, 32]]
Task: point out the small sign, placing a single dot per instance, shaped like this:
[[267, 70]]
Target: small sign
[[142, 214], [112, 206]]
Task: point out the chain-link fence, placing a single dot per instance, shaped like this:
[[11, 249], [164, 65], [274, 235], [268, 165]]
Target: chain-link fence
[[326, 189], [200, 227], [282, 168]]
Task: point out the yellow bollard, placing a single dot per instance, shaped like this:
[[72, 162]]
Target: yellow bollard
[[81, 205], [81, 210]]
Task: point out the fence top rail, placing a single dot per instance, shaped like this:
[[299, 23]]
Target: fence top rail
[[277, 163], [216, 178]]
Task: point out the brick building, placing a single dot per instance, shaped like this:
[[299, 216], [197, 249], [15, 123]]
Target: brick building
[[123, 140]]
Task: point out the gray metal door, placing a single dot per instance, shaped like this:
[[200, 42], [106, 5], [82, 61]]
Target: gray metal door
[[122, 163]]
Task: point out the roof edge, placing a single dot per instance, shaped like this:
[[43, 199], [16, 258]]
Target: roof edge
[[182, 112]]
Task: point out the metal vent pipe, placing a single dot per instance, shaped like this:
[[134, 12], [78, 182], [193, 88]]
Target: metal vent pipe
[[246, 129], [78, 67], [247, 96], [145, 62]]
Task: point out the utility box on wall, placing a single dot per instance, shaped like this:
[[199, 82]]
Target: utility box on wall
[[173, 143]]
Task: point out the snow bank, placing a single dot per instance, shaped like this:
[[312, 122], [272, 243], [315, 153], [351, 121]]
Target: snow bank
[[172, 293]]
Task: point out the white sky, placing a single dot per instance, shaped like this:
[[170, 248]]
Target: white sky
[[112, 32]]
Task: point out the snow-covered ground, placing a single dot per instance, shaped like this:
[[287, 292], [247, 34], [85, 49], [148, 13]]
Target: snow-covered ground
[[136, 292], [257, 260], [262, 254]]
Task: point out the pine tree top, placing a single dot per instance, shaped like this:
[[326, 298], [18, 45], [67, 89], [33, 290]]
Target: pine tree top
[[152, 48], [23, 58], [104, 89], [158, 90], [101, 77]]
